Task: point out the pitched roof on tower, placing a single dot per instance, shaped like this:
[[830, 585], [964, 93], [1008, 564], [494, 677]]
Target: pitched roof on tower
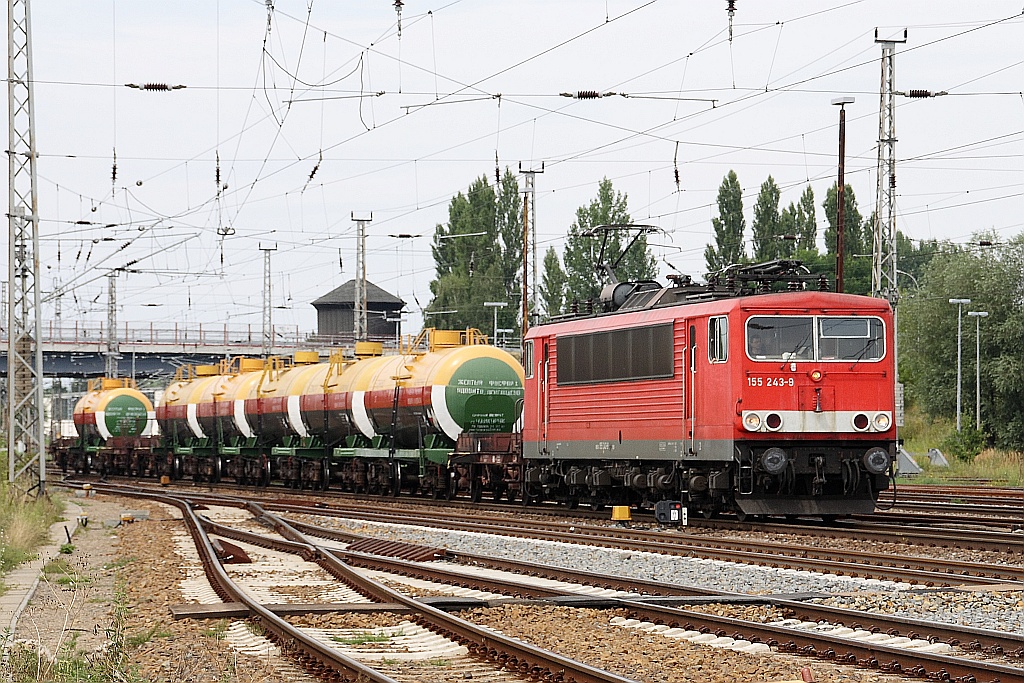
[[346, 294]]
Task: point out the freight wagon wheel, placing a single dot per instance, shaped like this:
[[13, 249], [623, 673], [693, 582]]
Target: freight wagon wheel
[[475, 490], [450, 484], [396, 480], [325, 481], [708, 512]]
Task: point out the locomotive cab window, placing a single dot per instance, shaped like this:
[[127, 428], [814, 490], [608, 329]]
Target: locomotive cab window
[[718, 339], [528, 358], [850, 339], [803, 338], [776, 338]]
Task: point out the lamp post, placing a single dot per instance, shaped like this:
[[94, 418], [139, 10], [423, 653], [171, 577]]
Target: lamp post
[[495, 305], [840, 189], [959, 303], [977, 315]]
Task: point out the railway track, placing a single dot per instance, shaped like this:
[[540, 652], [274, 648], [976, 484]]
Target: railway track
[[855, 645], [914, 570], [551, 523], [325, 661]]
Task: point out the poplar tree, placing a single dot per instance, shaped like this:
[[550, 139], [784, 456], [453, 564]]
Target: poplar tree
[[582, 250], [767, 245], [552, 284], [806, 222], [467, 260], [728, 227]]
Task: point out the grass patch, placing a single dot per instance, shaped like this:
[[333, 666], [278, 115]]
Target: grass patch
[[24, 524], [144, 637], [438, 661], [364, 638], [216, 630], [990, 467], [67, 549], [123, 562]]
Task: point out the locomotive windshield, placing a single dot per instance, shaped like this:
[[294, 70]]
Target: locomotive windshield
[[793, 338]]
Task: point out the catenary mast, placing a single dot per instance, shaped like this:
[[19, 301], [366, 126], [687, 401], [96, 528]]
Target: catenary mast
[[26, 447]]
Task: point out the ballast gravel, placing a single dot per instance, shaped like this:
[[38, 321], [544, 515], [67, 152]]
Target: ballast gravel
[[994, 609]]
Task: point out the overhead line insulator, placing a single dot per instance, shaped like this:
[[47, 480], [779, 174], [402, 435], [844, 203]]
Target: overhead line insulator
[[154, 87]]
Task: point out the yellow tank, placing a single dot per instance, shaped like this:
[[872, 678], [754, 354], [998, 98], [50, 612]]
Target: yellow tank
[[113, 408]]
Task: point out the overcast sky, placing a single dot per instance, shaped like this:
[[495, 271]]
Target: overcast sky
[[398, 124]]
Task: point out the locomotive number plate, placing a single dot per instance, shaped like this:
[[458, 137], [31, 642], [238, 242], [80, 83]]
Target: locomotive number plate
[[770, 382]]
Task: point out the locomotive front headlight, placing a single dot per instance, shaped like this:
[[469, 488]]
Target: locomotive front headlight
[[752, 422], [816, 375], [774, 460], [882, 422], [876, 460]]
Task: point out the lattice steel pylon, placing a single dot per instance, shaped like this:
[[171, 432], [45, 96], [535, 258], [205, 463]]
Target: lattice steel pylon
[[26, 470], [883, 259], [268, 308], [113, 352], [883, 254], [531, 290], [361, 328]]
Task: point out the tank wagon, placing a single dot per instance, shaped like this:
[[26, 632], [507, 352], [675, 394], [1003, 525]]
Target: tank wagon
[[114, 421], [371, 423]]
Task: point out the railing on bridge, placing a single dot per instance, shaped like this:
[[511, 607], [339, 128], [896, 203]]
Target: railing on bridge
[[153, 334], [246, 339]]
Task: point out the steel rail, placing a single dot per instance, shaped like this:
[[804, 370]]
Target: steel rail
[[507, 652], [785, 639], [969, 638], [803, 557], [314, 656], [840, 650], [885, 658]]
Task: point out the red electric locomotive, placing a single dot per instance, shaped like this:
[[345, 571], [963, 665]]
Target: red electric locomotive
[[728, 396]]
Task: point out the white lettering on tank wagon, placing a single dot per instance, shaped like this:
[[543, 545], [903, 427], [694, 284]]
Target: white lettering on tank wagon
[[488, 392]]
